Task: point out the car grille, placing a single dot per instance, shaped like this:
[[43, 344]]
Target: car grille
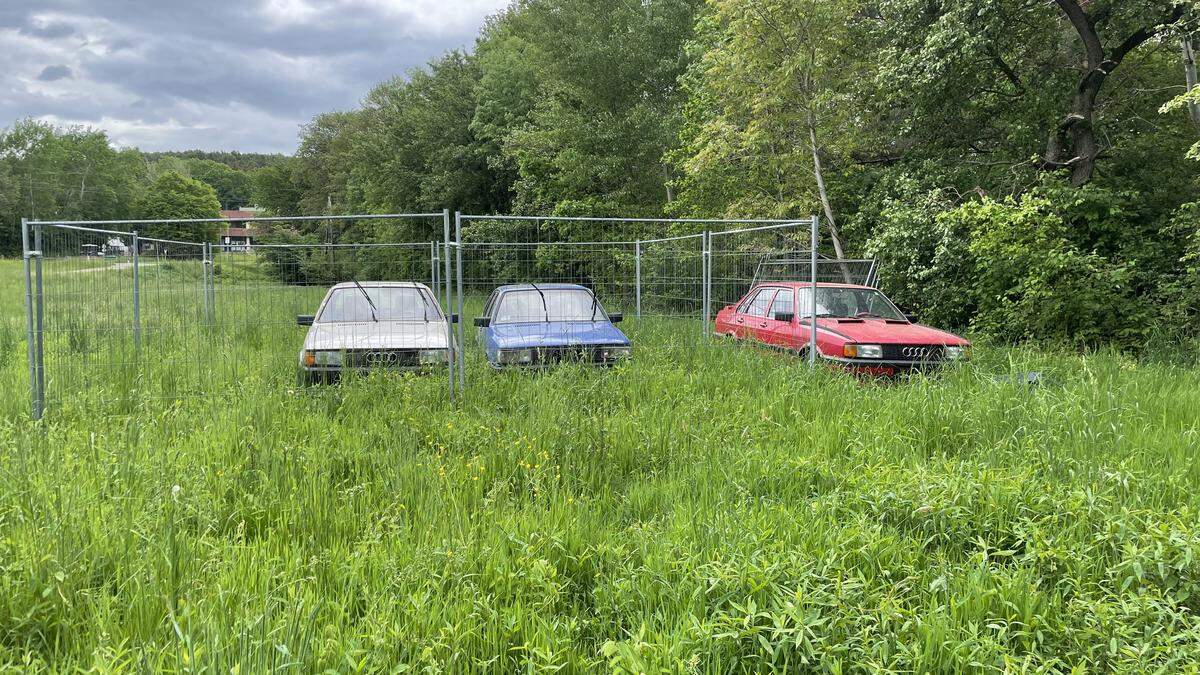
[[383, 358], [572, 353], [914, 353]]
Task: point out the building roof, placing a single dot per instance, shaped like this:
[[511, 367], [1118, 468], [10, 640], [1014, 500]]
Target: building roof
[[239, 232], [238, 214]]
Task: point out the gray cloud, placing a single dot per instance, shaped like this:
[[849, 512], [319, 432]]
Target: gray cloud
[[54, 73], [220, 74]]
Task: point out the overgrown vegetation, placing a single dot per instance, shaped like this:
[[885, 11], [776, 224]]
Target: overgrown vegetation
[[703, 508]]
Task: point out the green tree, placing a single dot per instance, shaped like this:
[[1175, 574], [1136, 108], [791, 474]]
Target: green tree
[[234, 188], [605, 112], [51, 173], [174, 196], [770, 118], [277, 188]]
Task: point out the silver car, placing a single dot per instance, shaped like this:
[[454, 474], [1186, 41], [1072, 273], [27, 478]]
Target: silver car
[[362, 326]]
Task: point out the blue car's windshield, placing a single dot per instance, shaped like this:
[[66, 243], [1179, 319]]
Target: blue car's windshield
[[561, 304], [392, 303]]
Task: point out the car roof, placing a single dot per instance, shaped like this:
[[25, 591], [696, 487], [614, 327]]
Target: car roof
[[808, 284], [380, 284], [544, 287]]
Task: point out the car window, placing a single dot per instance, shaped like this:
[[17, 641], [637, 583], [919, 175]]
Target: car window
[[846, 303], [761, 301], [391, 304], [745, 306], [487, 306], [849, 302], [784, 303], [551, 304]]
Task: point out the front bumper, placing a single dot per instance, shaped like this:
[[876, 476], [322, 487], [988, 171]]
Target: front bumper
[[366, 361], [545, 357], [889, 367]]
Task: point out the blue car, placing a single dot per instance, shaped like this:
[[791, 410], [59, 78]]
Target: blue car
[[536, 325]]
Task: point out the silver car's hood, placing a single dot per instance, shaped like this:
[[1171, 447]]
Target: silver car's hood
[[377, 335]]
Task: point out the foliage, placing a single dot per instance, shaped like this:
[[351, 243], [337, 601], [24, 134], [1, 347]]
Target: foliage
[[770, 76], [72, 174], [1033, 282], [925, 256], [174, 196], [247, 162], [705, 508], [233, 187]]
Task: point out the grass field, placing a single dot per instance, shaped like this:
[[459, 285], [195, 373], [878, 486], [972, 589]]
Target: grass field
[[705, 508]]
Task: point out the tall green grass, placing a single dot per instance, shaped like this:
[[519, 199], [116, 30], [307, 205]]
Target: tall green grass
[[701, 509]]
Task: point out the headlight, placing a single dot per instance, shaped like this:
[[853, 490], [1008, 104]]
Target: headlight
[[322, 358], [954, 353], [433, 356], [863, 351], [516, 356], [613, 353]]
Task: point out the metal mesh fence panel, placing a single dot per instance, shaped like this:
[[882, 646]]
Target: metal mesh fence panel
[[118, 319], [541, 290]]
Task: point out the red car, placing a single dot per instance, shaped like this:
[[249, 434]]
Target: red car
[[857, 326]]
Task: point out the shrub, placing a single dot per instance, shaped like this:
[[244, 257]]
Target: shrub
[[1031, 281]]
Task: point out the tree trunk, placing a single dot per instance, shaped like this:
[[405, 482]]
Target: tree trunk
[[1072, 145], [666, 172], [834, 235], [1189, 69]]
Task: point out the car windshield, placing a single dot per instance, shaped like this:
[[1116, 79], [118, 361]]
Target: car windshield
[[848, 302], [561, 304], [392, 303]]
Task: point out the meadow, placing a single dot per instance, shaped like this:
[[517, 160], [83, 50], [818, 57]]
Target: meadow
[[706, 508]]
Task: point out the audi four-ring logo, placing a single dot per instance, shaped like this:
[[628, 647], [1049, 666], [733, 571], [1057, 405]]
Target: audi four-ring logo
[[915, 352]]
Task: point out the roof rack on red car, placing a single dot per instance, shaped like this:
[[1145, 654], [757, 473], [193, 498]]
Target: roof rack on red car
[[797, 266]]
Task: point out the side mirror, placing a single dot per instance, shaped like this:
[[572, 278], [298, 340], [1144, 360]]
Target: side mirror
[[482, 322], [453, 318], [305, 319], [786, 317], [616, 317]]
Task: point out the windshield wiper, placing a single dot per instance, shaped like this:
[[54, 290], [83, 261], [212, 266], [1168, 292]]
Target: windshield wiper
[[368, 297], [545, 309], [593, 307]]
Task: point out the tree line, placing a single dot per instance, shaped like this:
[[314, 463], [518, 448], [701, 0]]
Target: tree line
[[1022, 167], [51, 173]]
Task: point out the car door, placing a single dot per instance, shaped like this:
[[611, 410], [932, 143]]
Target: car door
[[780, 319], [755, 324]]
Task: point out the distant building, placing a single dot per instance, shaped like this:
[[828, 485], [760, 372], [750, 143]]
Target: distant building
[[239, 234]]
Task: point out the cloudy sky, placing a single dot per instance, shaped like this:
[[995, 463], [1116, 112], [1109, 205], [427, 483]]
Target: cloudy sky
[[214, 74]]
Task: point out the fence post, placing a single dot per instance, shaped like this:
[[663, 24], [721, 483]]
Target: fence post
[[462, 371], [637, 266], [433, 264], [210, 285], [35, 393], [39, 298], [137, 300], [812, 317], [706, 273], [453, 354]]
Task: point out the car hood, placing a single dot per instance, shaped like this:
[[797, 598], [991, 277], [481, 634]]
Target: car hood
[[878, 331], [557, 334], [377, 335]]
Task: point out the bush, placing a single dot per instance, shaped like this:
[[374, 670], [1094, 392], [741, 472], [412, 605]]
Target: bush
[[925, 259], [1181, 291], [1032, 282]]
